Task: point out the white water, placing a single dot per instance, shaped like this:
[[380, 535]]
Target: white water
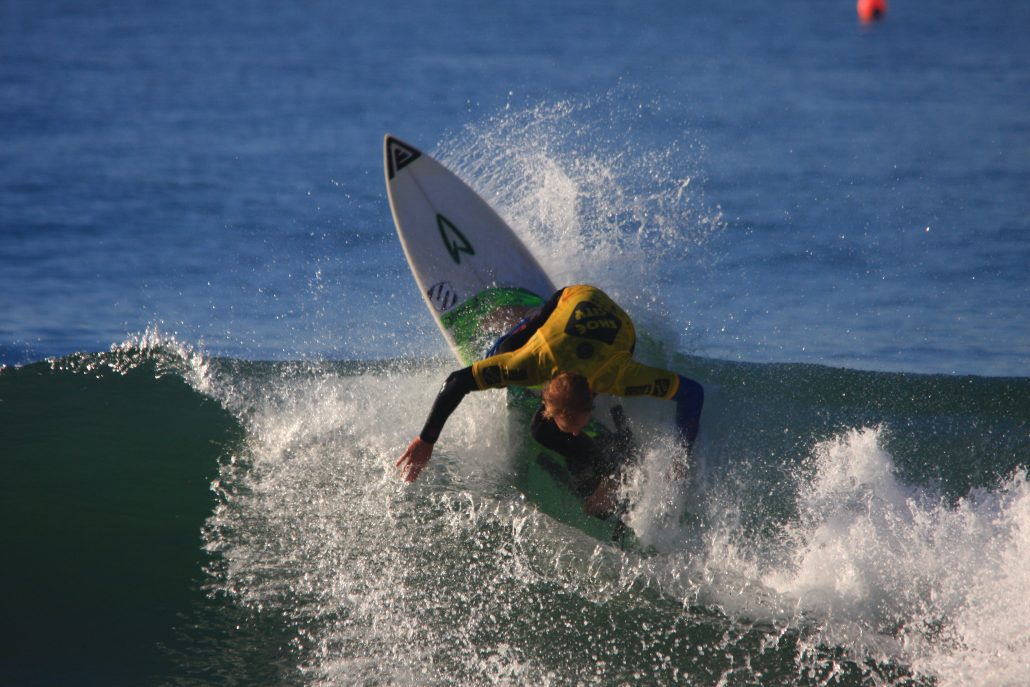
[[456, 579], [428, 584]]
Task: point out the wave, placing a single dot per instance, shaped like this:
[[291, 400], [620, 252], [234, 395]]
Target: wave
[[108, 460], [236, 520]]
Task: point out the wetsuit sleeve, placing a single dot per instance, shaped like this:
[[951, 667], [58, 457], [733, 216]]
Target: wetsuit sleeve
[[458, 384], [689, 398]]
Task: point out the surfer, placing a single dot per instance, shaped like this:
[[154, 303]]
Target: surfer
[[580, 343]]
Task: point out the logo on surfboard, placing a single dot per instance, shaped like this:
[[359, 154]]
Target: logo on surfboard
[[453, 239], [442, 296], [398, 156]]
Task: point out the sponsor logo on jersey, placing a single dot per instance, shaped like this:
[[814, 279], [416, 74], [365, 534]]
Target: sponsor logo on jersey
[[515, 375], [492, 375], [497, 375], [659, 388], [590, 321]]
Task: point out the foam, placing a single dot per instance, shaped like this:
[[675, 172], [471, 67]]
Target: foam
[[895, 571], [424, 584], [315, 524]]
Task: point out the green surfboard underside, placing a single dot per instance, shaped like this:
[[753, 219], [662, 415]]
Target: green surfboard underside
[[542, 474]]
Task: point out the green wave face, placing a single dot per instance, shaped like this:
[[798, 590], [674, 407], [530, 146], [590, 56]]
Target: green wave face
[[107, 473]]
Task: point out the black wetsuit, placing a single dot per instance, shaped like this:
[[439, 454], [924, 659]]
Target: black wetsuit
[[588, 460]]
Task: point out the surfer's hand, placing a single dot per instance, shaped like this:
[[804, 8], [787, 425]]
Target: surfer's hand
[[414, 459]]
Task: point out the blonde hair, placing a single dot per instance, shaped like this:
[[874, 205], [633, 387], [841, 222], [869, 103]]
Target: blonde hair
[[567, 393]]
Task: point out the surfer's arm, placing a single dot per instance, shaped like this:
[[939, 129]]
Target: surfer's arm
[[457, 386], [494, 372], [637, 379], [418, 453]]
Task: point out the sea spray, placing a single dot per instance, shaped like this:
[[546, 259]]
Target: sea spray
[[981, 617], [594, 205], [896, 571]]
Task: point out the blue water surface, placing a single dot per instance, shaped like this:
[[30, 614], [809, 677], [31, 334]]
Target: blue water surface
[[214, 170]]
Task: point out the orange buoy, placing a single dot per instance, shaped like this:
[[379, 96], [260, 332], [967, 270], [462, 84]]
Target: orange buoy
[[871, 10]]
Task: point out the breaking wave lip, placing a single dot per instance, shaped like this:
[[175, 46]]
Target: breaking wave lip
[[897, 572], [166, 352]]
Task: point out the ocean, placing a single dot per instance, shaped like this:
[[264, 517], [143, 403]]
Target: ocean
[[213, 350]]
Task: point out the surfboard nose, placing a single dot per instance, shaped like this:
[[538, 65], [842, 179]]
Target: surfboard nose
[[398, 154]]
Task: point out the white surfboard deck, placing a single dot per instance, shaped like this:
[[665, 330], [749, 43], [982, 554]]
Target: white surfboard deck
[[456, 244], [477, 278]]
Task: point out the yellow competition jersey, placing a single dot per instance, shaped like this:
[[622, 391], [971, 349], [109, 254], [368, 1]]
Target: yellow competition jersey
[[587, 334]]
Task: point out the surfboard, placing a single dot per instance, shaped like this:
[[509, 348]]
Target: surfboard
[[478, 279], [473, 271]]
